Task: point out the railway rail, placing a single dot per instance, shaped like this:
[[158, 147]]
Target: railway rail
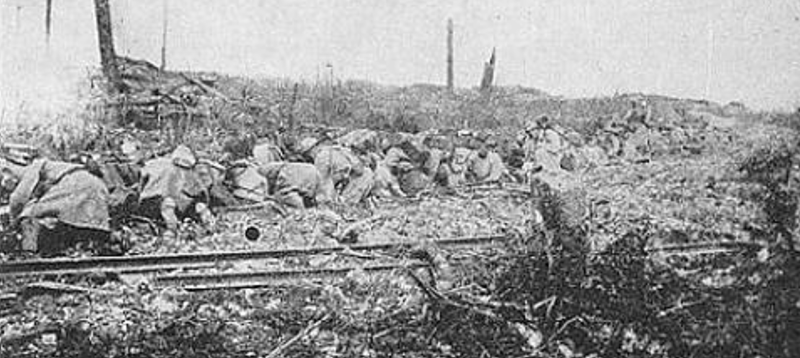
[[263, 278], [191, 261], [208, 271]]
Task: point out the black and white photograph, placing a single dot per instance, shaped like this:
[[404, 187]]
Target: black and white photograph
[[410, 179]]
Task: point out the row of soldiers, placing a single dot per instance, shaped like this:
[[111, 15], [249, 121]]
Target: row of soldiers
[[358, 166], [52, 203]]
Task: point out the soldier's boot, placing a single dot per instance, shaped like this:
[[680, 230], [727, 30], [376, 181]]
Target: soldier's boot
[[168, 207], [31, 230]]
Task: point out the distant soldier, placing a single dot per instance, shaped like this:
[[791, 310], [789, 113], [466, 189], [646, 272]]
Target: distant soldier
[[594, 153], [417, 176], [485, 164], [580, 153], [297, 185], [638, 120], [56, 204], [639, 114], [394, 164], [172, 189], [458, 167], [544, 145], [637, 147], [611, 135]]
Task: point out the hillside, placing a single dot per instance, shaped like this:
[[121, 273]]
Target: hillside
[[688, 248]]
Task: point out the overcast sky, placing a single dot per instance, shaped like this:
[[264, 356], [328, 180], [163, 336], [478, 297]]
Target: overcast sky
[[723, 50]]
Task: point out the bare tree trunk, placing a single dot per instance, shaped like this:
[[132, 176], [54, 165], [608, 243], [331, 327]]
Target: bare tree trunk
[[108, 58], [488, 74], [450, 76]]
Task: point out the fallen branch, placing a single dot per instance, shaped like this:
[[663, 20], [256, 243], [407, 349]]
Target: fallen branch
[[277, 352], [433, 293], [62, 288], [207, 88]]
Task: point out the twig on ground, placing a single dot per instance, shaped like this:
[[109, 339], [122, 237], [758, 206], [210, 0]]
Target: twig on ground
[[56, 287], [277, 352]]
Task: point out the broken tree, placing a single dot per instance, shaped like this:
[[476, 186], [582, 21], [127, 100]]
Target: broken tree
[[488, 74], [105, 39]]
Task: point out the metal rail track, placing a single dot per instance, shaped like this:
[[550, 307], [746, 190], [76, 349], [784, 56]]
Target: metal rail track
[[705, 248], [257, 279], [166, 262], [211, 280]]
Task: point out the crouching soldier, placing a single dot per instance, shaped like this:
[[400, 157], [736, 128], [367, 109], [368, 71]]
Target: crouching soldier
[[297, 185], [246, 182], [340, 165], [56, 204], [120, 171], [173, 190], [386, 172]]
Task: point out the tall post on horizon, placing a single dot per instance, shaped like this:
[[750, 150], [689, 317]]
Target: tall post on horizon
[[48, 20], [450, 80], [165, 23]]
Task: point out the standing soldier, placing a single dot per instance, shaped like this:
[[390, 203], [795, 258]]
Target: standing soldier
[[543, 146], [638, 119]]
